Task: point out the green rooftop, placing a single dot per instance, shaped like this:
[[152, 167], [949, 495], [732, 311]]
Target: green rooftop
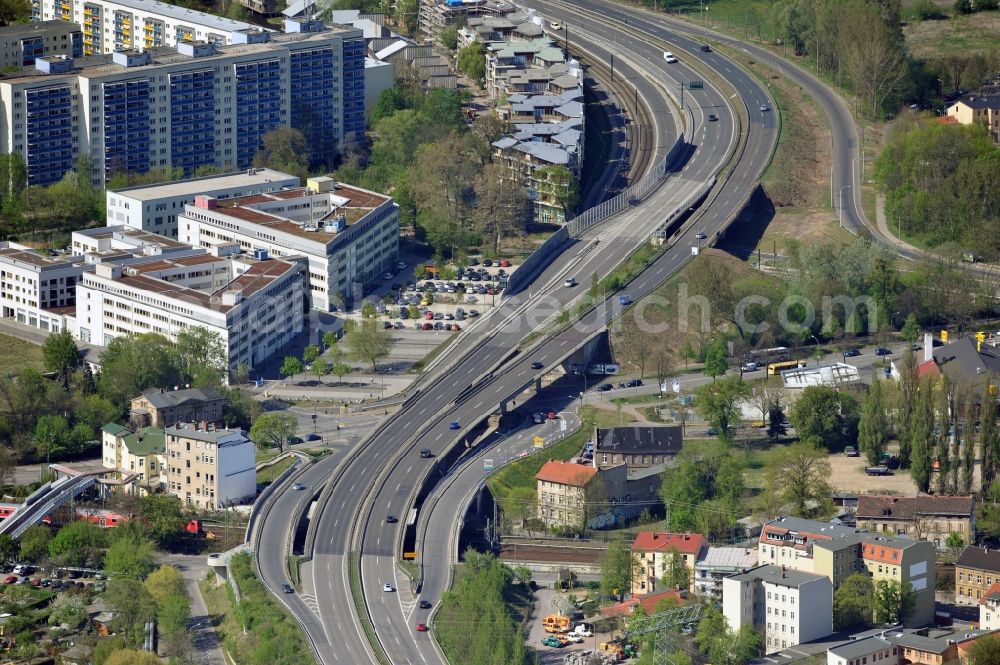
[[113, 428], [147, 441]]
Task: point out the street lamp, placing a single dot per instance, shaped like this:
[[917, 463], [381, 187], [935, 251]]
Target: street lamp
[[840, 210], [817, 353]]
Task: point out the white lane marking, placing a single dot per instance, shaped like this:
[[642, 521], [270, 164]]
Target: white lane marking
[[398, 485]]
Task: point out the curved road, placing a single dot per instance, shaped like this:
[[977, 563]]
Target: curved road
[[327, 607]]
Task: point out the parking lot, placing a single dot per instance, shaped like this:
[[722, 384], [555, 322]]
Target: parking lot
[[57, 579], [549, 601]]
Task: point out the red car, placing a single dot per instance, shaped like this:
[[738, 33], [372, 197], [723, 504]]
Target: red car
[[10, 579], [429, 315], [421, 627], [504, 263], [428, 326], [553, 415]]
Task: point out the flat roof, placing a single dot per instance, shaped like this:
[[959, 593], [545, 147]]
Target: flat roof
[[193, 431], [39, 260], [205, 185], [778, 575], [862, 647], [21, 30], [182, 14]]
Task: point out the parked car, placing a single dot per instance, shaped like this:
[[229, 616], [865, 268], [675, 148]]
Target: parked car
[[750, 367], [605, 387], [634, 383], [313, 436], [851, 451], [882, 351], [428, 326], [504, 263], [877, 470], [852, 353], [552, 641], [10, 579]]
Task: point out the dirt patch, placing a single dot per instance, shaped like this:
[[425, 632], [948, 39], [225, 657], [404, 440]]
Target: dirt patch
[[803, 226], [847, 474]]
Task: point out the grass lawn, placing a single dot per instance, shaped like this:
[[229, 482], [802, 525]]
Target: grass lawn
[[269, 473], [18, 354], [605, 417], [264, 455], [220, 609]]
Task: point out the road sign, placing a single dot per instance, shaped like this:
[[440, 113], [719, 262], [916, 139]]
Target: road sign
[[487, 465], [676, 386], [539, 441], [696, 85], [409, 556], [562, 424]]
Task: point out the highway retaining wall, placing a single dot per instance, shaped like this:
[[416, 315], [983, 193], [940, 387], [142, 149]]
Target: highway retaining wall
[[536, 261], [265, 496]]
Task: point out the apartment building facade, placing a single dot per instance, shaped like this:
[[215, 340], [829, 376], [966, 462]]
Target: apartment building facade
[[196, 105], [35, 289], [123, 25], [136, 455], [255, 306], [562, 491], [908, 562], [656, 553], [978, 109], [155, 208], [22, 44], [160, 407], [209, 467], [719, 563], [436, 15], [348, 235], [976, 571], [923, 517], [786, 606], [989, 608]]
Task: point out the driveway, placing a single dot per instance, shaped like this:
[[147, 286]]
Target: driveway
[[203, 636]]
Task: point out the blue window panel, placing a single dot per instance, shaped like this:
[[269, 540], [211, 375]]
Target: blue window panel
[[126, 131], [49, 128], [192, 120], [258, 106], [312, 109]]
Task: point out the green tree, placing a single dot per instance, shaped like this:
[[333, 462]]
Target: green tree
[[77, 543], [989, 438], [35, 543], [330, 339], [96, 412], [310, 354], [852, 602], [776, 422], [716, 363], [558, 184], [471, 61], [675, 573], [129, 557], [449, 38], [985, 650], [911, 328], [172, 614], [955, 541], [874, 425], [919, 436], [711, 627], [368, 342], [60, 355], [826, 416], [135, 607], [797, 477], [162, 517], [202, 357], [291, 366], [9, 549], [51, 435], [736, 648], [273, 430], [894, 603], [163, 582], [284, 149], [719, 404], [67, 609], [133, 363], [617, 568], [132, 657]]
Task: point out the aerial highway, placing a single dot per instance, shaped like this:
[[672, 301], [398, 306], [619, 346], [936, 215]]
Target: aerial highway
[[390, 463]]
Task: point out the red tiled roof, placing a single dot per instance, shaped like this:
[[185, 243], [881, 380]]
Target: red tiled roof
[[648, 603], [928, 368], [685, 543], [992, 591], [566, 473], [883, 554]]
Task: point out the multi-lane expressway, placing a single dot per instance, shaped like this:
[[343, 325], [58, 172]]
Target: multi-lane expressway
[[389, 463]]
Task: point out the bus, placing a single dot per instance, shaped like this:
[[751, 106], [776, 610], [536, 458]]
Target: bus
[[775, 369], [765, 356]]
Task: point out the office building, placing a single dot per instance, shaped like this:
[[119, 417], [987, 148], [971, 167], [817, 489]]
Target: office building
[[209, 467], [196, 105], [22, 44], [255, 306], [155, 207], [786, 606], [656, 553], [110, 243], [348, 235], [36, 289], [124, 25]]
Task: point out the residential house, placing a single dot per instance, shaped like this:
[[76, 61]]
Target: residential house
[[967, 362], [976, 571], [966, 645], [159, 407], [789, 541], [655, 552], [923, 517], [786, 606], [210, 467], [637, 446], [908, 562], [979, 109], [436, 15], [136, 456], [989, 608], [562, 491], [873, 649], [718, 563], [930, 646]]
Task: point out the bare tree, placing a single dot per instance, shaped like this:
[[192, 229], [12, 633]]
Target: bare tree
[[767, 394], [500, 204], [872, 57]]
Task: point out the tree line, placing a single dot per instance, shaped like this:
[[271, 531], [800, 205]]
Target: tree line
[[942, 185]]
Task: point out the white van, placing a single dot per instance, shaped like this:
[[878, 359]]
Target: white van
[[669, 57]]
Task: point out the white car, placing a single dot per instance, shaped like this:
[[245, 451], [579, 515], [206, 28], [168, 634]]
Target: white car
[[570, 282], [387, 587], [582, 631], [669, 57]]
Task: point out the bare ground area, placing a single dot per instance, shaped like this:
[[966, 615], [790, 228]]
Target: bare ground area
[[847, 474], [979, 32]]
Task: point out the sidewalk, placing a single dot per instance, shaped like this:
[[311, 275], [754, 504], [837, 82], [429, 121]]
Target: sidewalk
[[351, 388], [203, 635]]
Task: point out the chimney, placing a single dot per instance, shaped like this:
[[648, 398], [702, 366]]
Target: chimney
[[204, 425], [928, 347], [197, 427]]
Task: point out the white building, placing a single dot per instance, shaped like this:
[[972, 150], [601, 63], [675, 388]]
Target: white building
[[136, 457], [110, 243], [873, 649], [254, 305], [209, 467], [718, 564], [349, 236], [155, 207], [379, 77], [787, 606], [989, 608], [38, 290], [137, 24]]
